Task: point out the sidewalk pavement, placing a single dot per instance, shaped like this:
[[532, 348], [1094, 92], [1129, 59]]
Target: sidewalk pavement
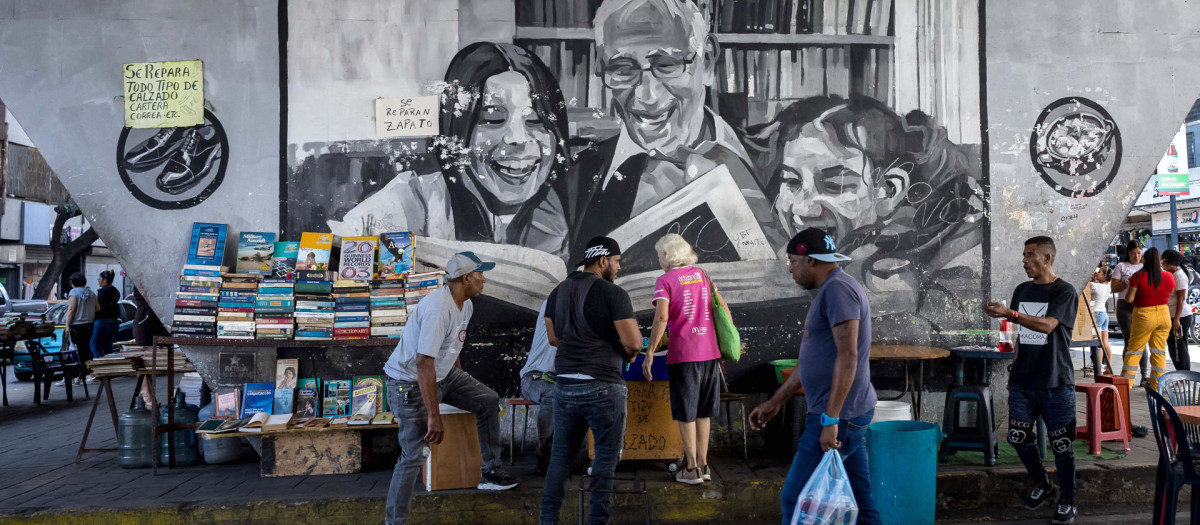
[[40, 483]]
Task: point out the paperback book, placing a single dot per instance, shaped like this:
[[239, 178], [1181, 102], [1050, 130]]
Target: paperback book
[[255, 252], [314, 251], [283, 263], [337, 398], [358, 258], [207, 247], [395, 254], [259, 398]]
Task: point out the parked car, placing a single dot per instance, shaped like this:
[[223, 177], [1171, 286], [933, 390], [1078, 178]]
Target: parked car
[[21, 306], [23, 367]]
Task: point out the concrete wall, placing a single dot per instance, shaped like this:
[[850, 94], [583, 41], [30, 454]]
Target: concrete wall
[[940, 115]]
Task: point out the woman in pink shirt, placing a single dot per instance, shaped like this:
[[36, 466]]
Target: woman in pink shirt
[[683, 305]]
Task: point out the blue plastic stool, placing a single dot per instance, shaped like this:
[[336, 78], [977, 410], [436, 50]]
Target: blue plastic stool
[[962, 435]]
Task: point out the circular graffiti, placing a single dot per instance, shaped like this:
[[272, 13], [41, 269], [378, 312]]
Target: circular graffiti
[[1076, 147], [173, 168]]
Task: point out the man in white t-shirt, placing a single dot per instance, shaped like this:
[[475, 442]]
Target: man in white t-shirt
[[1180, 311], [424, 370]]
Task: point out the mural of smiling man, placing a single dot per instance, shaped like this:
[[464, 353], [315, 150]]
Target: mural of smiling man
[[491, 174], [658, 58]]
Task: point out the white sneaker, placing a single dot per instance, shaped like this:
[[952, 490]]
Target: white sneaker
[[61, 382], [706, 472], [689, 476]]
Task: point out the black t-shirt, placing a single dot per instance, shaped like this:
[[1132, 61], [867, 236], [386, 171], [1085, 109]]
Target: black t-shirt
[[600, 353], [1044, 360], [108, 297]]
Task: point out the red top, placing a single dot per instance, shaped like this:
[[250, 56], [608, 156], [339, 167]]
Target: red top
[[1148, 295]]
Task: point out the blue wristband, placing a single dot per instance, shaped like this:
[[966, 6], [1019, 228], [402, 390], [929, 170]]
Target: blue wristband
[[826, 420]]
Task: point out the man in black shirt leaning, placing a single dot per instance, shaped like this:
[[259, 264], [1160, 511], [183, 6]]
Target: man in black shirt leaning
[[590, 320], [1043, 380]]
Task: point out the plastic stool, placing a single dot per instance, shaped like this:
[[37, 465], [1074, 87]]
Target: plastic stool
[[512, 431], [1099, 412], [981, 436]]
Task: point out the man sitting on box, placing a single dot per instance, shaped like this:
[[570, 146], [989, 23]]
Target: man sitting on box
[[424, 370]]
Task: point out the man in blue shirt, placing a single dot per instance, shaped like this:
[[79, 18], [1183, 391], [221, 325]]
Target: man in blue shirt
[[835, 371]]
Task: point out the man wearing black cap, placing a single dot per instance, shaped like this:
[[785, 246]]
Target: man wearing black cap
[[835, 370], [590, 320]]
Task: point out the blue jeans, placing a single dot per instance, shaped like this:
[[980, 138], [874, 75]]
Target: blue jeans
[[853, 435], [594, 405], [1102, 320], [104, 332], [1056, 406]]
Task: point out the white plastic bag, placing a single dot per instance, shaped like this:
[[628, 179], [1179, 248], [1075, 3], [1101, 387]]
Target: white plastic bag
[[827, 497]]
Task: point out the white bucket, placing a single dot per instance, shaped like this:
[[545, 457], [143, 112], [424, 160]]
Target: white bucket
[[892, 411]]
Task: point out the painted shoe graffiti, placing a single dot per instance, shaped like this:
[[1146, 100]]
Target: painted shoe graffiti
[[153, 151], [197, 155]]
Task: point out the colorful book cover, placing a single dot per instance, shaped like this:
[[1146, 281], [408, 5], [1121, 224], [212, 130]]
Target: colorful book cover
[[255, 252], [283, 400], [395, 254], [286, 371], [309, 382], [284, 259], [306, 403], [314, 251], [337, 398], [358, 258], [374, 381], [227, 403], [207, 247], [258, 398], [365, 400]]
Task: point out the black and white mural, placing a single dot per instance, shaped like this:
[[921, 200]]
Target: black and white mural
[[669, 119], [1076, 147], [176, 167]]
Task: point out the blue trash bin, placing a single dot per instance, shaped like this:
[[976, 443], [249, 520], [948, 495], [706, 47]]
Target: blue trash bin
[[903, 460]]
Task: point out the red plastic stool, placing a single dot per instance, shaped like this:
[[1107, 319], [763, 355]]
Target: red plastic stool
[[1101, 415]]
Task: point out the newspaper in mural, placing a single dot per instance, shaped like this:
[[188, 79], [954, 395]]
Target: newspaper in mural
[[511, 180]]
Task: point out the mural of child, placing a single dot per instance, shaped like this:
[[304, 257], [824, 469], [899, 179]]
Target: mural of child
[[494, 173]]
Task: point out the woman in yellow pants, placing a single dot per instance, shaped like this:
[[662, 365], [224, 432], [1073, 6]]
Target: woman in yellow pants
[[1149, 290]]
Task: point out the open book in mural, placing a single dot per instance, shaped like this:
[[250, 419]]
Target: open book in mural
[[672, 119]]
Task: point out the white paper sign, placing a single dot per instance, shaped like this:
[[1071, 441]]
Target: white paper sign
[[406, 117]]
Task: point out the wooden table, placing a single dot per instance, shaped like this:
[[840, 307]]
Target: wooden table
[[1189, 414], [308, 451], [907, 354]]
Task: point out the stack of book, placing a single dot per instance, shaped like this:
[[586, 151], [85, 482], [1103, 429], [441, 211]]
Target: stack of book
[[314, 305], [196, 301], [273, 309], [199, 286], [388, 313], [235, 312], [352, 305], [419, 285]]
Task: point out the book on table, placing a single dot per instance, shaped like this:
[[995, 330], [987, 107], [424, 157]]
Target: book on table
[[358, 258], [256, 252], [336, 401], [283, 261], [277, 422], [379, 388], [314, 251], [207, 245], [255, 423], [383, 418], [210, 426], [231, 425], [283, 402], [258, 398], [317, 422], [227, 403], [395, 254]]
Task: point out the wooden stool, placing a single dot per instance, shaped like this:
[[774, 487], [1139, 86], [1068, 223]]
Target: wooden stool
[[455, 463], [1098, 413], [512, 431]]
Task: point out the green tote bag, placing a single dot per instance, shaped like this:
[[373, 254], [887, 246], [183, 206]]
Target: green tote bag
[[728, 339]]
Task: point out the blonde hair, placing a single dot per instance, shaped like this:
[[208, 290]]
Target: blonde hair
[[678, 252]]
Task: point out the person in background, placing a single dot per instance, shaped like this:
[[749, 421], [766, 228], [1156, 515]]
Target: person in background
[[589, 319], [1042, 383], [145, 322], [835, 370], [1120, 283], [682, 302], [1149, 292], [424, 370], [81, 311], [537, 385], [1180, 311], [1101, 288], [107, 320]]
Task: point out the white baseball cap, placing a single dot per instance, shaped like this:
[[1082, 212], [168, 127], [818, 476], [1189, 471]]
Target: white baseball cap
[[463, 263]]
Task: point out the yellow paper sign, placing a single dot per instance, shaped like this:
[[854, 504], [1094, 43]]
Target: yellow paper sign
[[164, 94]]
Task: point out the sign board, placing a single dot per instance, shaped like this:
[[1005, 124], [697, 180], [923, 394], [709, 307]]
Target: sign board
[[1186, 220], [1172, 184], [163, 94], [406, 117]]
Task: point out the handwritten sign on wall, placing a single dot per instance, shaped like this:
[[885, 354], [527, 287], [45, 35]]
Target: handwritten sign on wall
[[164, 94], [406, 117]]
